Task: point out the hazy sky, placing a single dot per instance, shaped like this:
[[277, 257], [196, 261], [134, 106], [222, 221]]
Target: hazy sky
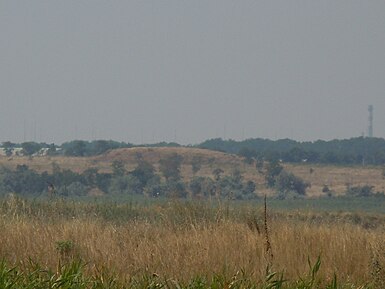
[[150, 71]]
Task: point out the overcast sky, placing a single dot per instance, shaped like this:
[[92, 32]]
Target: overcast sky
[[186, 71]]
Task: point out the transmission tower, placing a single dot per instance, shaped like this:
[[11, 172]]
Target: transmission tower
[[370, 128]]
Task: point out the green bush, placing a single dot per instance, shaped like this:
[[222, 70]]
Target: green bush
[[287, 183], [360, 191]]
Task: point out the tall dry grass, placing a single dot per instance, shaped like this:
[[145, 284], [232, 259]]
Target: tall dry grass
[[184, 240]]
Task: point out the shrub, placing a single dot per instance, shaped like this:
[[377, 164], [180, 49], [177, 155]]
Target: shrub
[[360, 191], [273, 169], [127, 184], [202, 186], [65, 248], [170, 167], [74, 189], [175, 189], [288, 182]]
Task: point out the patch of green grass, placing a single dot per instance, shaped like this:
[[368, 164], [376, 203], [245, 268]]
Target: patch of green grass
[[74, 275], [373, 204]]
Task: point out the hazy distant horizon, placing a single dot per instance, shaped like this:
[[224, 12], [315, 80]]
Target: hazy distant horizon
[[174, 71], [192, 144]]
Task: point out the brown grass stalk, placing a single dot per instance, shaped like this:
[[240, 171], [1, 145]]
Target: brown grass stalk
[[197, 247]]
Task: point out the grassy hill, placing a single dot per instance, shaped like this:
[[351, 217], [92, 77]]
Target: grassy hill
[[337, 178]]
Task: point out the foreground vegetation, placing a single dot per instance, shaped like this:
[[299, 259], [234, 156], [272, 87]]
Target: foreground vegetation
[[173, 244]]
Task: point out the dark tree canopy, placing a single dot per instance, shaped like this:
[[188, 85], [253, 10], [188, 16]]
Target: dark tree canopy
[[170, 166], [359, 150]]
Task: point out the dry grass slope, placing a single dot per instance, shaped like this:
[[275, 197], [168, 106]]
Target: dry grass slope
[[336, 177]]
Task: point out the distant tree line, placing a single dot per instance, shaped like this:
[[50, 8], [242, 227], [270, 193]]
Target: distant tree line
[[361, 150], [76, 148]]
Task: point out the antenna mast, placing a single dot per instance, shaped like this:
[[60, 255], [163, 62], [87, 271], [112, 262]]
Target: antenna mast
[[370, 128]]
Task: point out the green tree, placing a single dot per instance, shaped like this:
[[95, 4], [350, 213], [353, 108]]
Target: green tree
[[259, 165], [236, 175], [90, 176], [175, 189], [23, 181], [202, 186], [273, 169], [195, 185], [118, 168], [73, 189], [126, 184], [77, 148], [63, 177], [144, 171], [29, 148], [51, 150], [287, 182], [8, 148], [100, 146], [153, 187], [248, 154], [196, 164], [103, 181], [217, 174], [295, 155], [170, 167], [250, 187]]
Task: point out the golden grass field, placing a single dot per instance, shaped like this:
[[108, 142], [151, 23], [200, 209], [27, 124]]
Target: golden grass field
[[184, 240], [336, 177]]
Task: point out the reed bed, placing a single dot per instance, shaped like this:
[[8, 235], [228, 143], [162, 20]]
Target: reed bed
[[180, 243]]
